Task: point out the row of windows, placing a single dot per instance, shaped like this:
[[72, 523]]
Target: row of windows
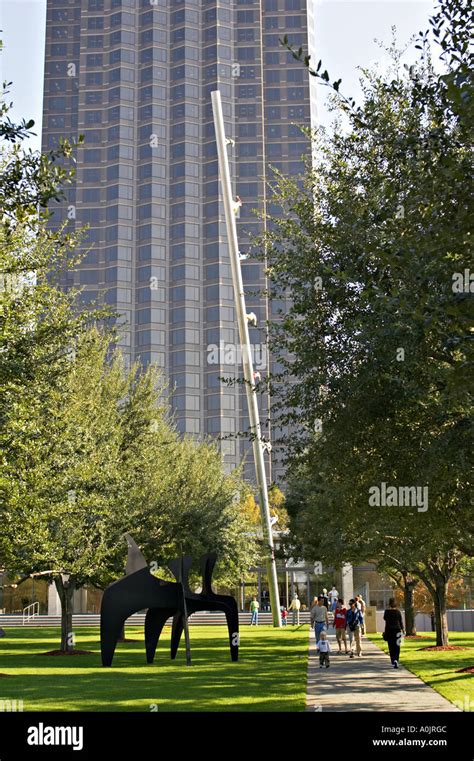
[[65, 14], [64, 32], [147, 112], [122, 132], [180, 72], [250, 272], [273, 40], [214, 402], [98, 5], [270, 22], [61, 49], [122, 55], [271, 93], [289, 5]]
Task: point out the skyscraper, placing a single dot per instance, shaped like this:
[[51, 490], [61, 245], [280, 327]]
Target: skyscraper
[[135, 77]]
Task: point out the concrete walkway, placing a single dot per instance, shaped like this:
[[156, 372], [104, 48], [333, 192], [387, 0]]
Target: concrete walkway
[[369, 683]]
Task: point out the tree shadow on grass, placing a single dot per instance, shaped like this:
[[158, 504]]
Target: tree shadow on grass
[[212, 683]]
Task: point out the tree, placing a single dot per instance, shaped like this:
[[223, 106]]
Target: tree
[[106, 461], [377, 341], [87, 448], [38, 321]]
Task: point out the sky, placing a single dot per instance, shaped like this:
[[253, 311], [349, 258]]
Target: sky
[[345, 33]]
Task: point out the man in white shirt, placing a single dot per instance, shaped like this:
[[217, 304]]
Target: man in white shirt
[[333, 596]]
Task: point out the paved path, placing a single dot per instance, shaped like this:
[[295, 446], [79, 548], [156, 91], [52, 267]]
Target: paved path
[[369, 683]]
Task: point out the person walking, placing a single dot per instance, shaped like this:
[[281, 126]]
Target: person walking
[[319, 618], [324, 648], [333, 595], [254, 606], [340, 625], [361, 605], [394, 631], [325, 598], [284, 615], [354, 622], [295, 606]]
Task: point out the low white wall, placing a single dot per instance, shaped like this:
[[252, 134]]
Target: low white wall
[[458, 621]]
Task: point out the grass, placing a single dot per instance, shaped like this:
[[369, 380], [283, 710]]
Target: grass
[[438, 668], [269, 676]]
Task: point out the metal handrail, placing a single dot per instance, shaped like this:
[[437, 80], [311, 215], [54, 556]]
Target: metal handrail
[[27, 615]]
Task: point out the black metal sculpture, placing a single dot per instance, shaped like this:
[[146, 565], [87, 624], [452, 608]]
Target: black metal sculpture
[[139, 589]]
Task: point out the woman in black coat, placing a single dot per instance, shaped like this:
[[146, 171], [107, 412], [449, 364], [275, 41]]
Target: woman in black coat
[[394, 630]]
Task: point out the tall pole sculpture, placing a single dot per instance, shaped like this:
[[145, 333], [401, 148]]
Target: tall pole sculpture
[[249, 379]]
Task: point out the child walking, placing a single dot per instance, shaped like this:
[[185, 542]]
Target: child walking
[[324, 648]]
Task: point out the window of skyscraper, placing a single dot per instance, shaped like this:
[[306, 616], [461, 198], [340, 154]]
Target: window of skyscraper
[[90, 194], [245, 17], [59, 33], [94, 60], [247, 91], [94, 78], [247, 150], [91, 175], [95, 22], [95, 41], [274, 149], [295, 112], [273, 75], [271, 22], [273, 93], [274, 113], [295, 93], [273, 130], [247, 72]]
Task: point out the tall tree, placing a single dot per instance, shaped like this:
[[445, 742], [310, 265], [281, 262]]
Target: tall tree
[[87, 449], [376, 344]]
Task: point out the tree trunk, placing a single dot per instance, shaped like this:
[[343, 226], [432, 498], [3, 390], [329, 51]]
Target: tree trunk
[[441, 615], [437, 585], [66, 596], [408, 588], [121, 636]]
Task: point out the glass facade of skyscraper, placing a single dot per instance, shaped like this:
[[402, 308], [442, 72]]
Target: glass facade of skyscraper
[[135, 77]]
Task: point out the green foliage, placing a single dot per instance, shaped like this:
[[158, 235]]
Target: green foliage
[[87, 447], [377, 342]]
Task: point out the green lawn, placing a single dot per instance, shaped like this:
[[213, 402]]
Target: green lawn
[[269, 676], [438, 668]]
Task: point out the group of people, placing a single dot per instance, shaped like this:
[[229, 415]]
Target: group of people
[[349, 625], [295, 607]]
